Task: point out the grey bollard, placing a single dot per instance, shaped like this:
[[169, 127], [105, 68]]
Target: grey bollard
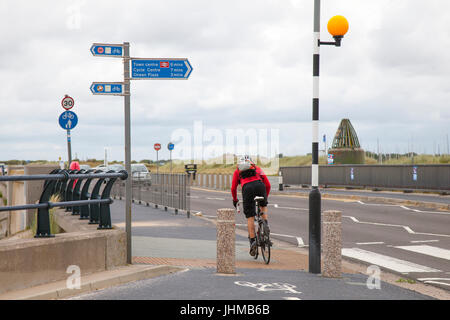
[[226, 228], [332, 246]]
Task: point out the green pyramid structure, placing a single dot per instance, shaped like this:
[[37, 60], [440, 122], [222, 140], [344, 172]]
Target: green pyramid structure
[[346, 148]]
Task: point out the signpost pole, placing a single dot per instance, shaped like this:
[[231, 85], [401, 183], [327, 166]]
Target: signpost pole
[[69, 149], [314, 195], [126, 80]]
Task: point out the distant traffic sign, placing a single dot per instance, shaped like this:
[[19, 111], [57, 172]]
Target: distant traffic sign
[[108, 88], [170, 146], [68, 120], [107, 50], [160, 68], [67, 102], [157, 146]]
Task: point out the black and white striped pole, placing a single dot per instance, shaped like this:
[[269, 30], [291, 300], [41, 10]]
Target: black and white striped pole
[[337, 26]]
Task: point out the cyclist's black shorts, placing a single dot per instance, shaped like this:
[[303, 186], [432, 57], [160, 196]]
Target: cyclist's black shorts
[[249, 191]]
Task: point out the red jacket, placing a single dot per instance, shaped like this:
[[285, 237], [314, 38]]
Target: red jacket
[[260, 175]]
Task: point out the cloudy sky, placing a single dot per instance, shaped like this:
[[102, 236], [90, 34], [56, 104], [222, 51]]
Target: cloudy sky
[[252, 69]]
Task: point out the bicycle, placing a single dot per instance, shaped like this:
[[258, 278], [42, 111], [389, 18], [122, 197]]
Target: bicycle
[[262, 234]]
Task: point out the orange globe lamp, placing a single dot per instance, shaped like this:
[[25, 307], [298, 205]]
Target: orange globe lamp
[[338, 27]]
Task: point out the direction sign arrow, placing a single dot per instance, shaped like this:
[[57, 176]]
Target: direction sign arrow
[[107, 50], [68, 120], [108, 88], [160, 68]]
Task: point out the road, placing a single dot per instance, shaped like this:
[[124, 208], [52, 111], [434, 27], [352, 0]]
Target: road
[[411, 241]]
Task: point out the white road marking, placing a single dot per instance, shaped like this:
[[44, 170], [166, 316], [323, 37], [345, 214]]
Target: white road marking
[[385, 261], [364, 243], [291, 298], [300, 242], [408, 229], [423, 241], [403, 207], [194, 197], [222, 199], [429, 251], [430, 279], [436, 282], [288, 208]]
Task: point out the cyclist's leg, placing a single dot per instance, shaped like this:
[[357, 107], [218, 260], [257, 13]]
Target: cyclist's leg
[[251, 227]]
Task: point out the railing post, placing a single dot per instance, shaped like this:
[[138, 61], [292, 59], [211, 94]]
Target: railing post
[[69, 189], [43, 216], [84, 210], [94, 209], [105, 213], [77, 195]]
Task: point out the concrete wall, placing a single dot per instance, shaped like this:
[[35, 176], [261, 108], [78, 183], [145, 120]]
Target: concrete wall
[[18, 193], [421, 177], [30, 262]]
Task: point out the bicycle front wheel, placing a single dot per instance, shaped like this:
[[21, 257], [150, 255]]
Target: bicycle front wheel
[[264, 242]]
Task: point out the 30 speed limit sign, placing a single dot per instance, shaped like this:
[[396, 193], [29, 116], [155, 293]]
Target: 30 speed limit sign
[[67, 102]]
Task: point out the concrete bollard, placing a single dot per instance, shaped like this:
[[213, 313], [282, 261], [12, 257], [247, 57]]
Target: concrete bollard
[[332, 246], [226, 251]]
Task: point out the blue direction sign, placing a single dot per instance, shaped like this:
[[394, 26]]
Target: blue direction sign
[[109, 88], [160, 68], [68, 120], [170, 146], [107, 50]]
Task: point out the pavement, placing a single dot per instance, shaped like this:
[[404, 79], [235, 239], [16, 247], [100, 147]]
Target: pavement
[[166, 238]]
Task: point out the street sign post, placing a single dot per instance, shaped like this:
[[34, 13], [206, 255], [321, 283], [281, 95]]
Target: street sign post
[[160, 68], [170, 146], [108, 88], [157, 147], [171, 68], [67, 102], [68, 120]]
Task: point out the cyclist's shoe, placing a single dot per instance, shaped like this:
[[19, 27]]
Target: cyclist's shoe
[[253, 248]]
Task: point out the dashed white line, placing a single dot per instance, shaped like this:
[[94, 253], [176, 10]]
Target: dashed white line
[[368, 243], [222, 199], [423, 241], [291, 298]]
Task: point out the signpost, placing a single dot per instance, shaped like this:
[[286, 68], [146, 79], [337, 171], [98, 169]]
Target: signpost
[[68, 120], [157, 147], [108, 88], [160, 68], [67, 102], [170, 146], [154, 68], [107, 50]]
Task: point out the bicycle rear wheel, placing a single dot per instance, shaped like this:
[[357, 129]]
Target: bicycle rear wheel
[[264, 241]]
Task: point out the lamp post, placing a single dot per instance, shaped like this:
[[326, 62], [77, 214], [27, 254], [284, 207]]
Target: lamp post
[[338, 27]]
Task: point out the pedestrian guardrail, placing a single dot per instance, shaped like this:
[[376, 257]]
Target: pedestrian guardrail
[[160, 189], [68, 184]]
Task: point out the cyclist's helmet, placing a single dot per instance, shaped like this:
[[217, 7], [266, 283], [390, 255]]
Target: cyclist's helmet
[[245, 163]]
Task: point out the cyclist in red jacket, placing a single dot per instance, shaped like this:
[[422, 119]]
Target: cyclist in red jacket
[[254, 183]]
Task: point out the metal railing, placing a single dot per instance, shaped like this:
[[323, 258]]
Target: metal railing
[[67, 184], [165, 190]]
